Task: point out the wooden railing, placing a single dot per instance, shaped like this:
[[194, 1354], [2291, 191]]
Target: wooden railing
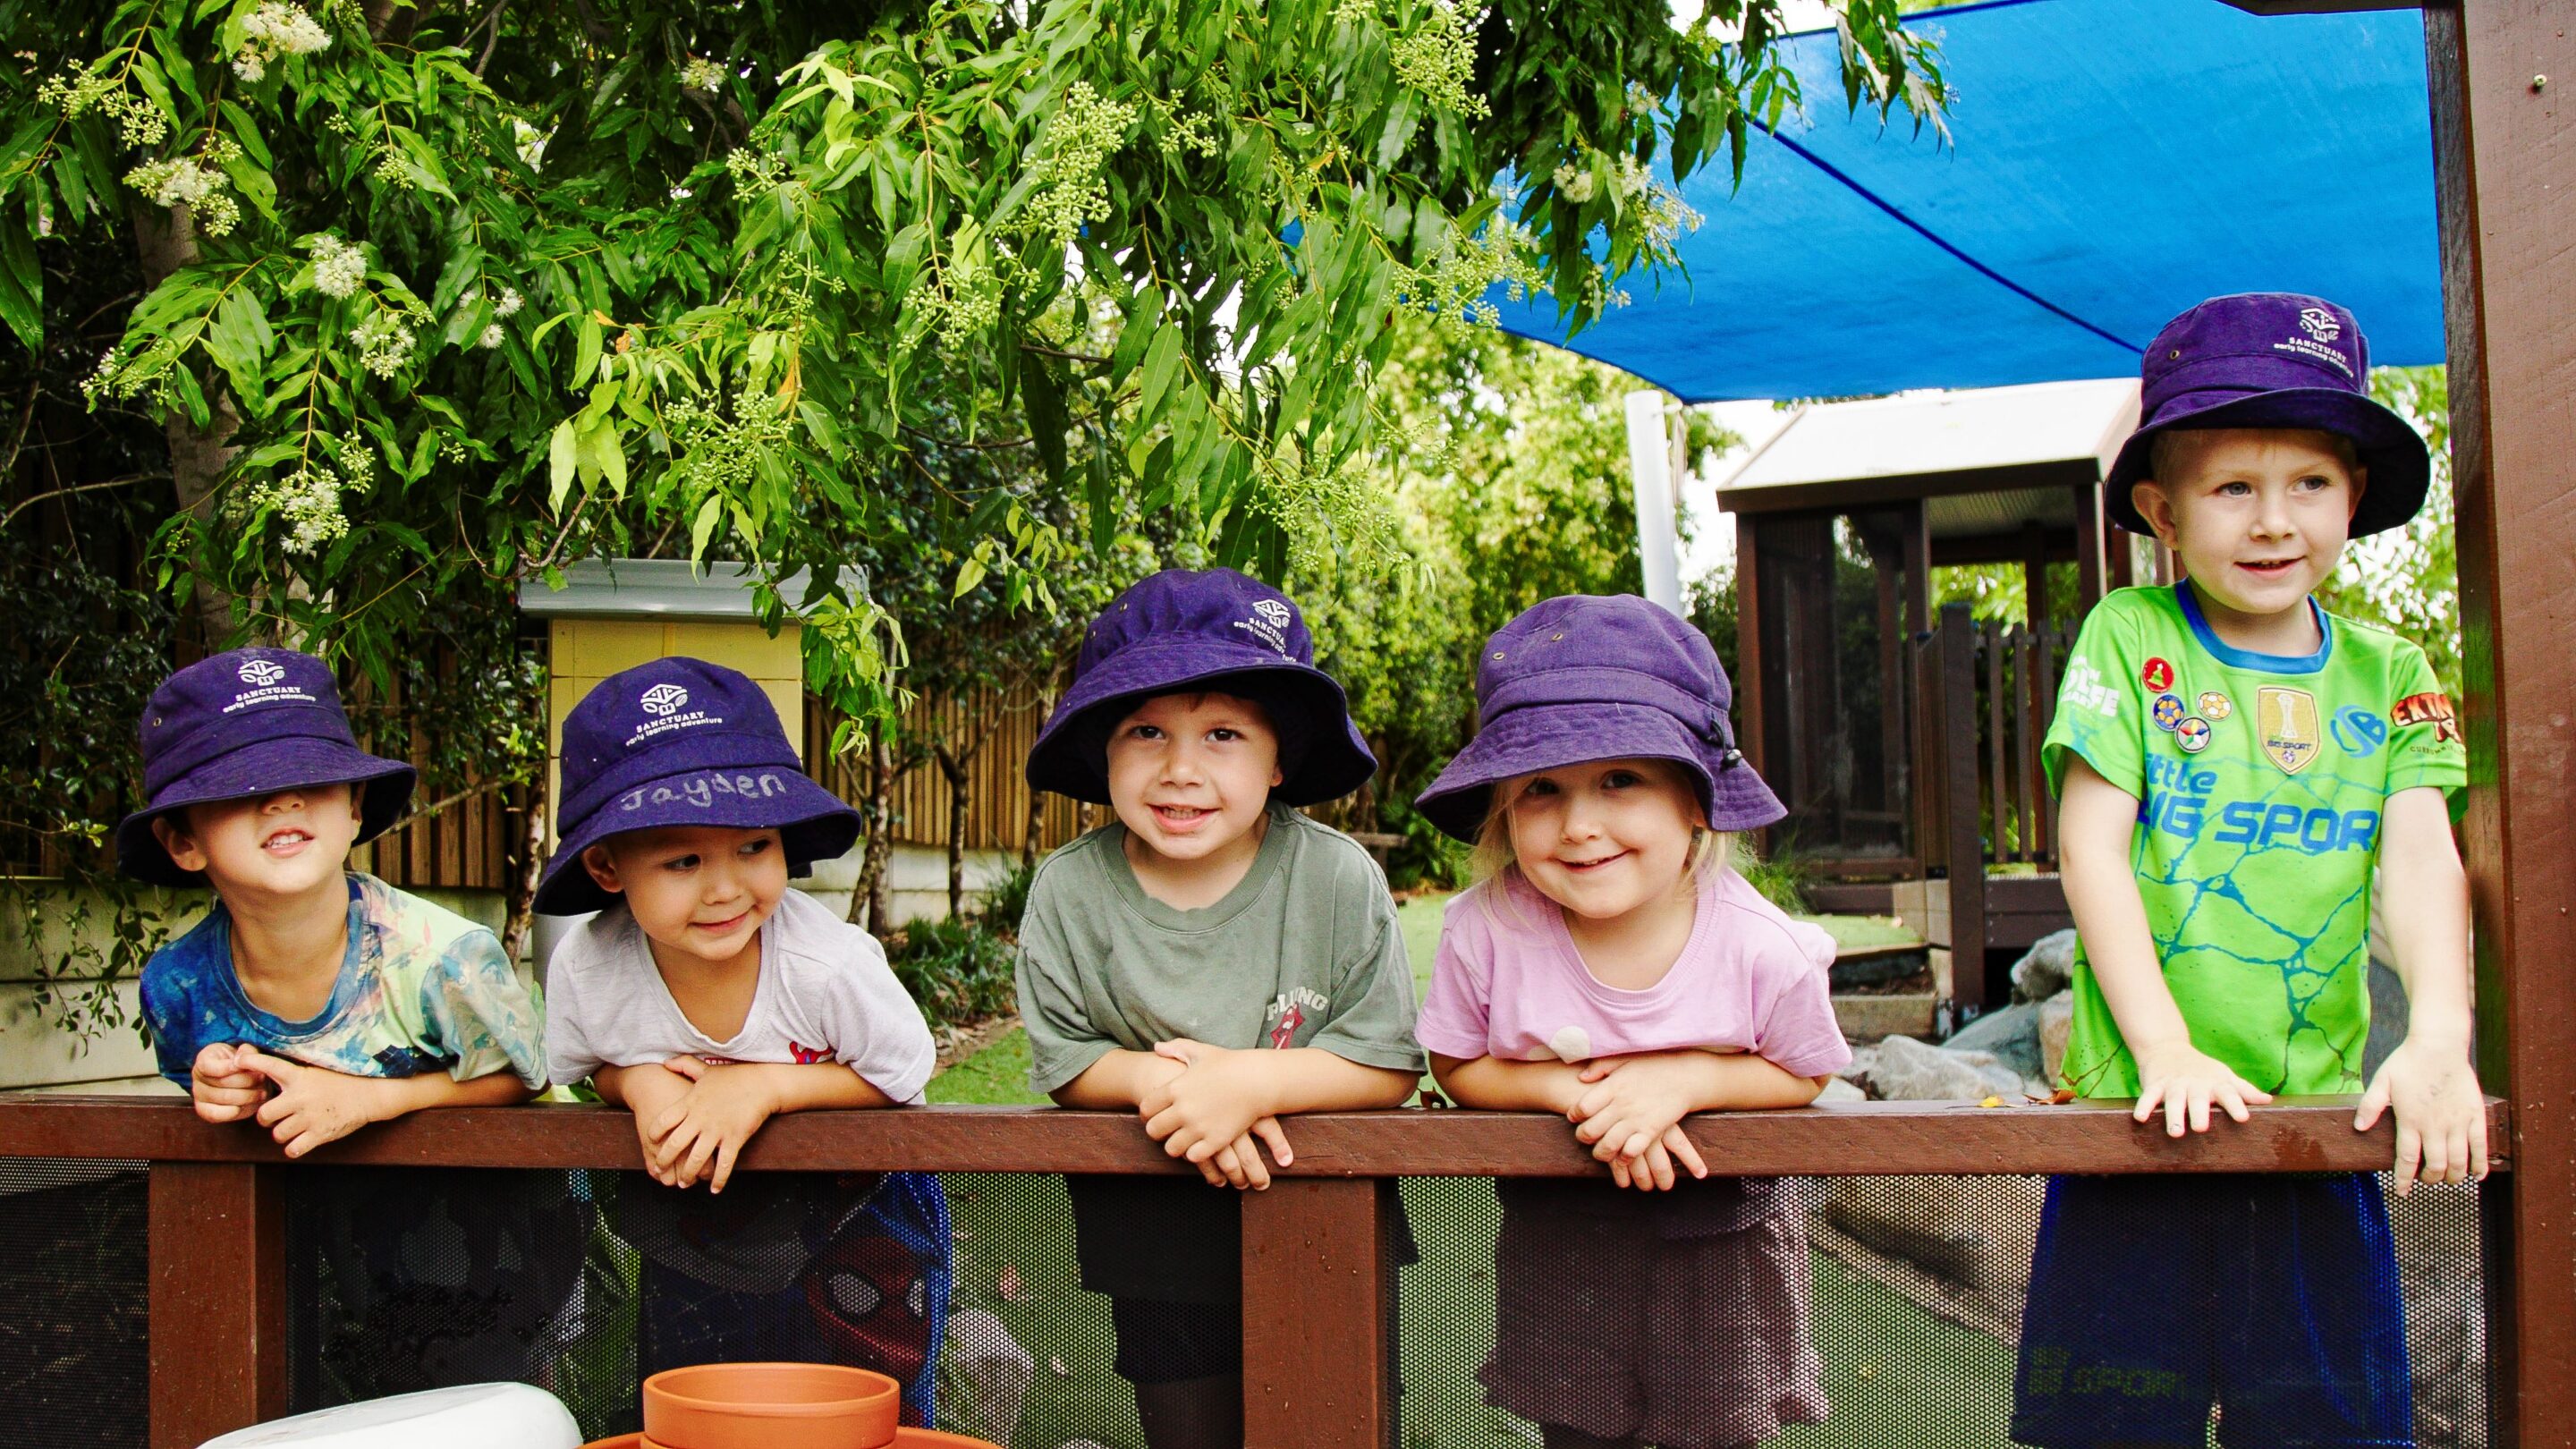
[[1318, 1255]]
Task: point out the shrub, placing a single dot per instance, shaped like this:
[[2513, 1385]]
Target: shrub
[[1005, 900], [959, 971]]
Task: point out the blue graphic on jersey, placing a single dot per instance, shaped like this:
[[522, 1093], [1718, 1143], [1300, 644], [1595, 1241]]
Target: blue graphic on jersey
[[2359, 731], [2178, 804]]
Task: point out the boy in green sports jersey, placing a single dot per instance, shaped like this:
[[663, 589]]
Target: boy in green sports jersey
[[2231, 763]]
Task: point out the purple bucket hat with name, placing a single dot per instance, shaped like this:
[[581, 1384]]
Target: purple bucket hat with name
[[680, 741], [1220, 631], [243, 724], [1584, 677], [2273, 360]]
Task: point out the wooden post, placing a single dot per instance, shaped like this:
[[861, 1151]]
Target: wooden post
[[1956, 736], [2034, 575], [2503, 151], [217, 1254], [1318, 1314]]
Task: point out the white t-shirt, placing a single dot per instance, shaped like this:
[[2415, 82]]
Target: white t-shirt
[[825, 995]]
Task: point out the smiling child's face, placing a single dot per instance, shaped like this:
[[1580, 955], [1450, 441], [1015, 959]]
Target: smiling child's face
[[702, 891], [1190, 775], [2258, 515], [276, 846], [1604, 838]]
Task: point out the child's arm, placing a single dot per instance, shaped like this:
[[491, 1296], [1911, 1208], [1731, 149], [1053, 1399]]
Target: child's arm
[[1222, 1097], [1499, 1084], [2441, 1115], [2096, 826], [224, 1090], [314, 1105], [698, 1132], [1118, 1082]]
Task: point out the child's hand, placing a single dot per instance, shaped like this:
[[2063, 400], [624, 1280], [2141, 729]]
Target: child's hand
[[2441, 1115], [1211, 1113], [704, 1131], [314, 1105], [2185, 1080], [223, 1089], [649, 1091], [1653, 1172], [1630, 1112]]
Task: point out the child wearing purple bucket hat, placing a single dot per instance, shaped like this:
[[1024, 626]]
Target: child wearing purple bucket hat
[[1611, 967], [313, 1000], [1211, 960], [706, 997], [2232, 763]]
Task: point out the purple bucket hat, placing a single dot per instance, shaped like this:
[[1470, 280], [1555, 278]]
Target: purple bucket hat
[[247, 723], [2273, 360], [680, 741], [1583, 677], [1218, 630]]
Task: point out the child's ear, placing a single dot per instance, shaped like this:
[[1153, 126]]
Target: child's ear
[[2360, 486], [358, 803], [603, 869], [2154, 505], [172, 831]]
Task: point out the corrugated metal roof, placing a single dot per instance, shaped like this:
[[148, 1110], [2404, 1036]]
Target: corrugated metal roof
[[658, 588]]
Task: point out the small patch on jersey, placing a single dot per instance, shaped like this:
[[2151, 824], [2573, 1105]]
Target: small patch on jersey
[[2192, 734], [2287, 726], [2168, 711], [2359, 732], [2158, 675], [2433, 708], [2215, 706]]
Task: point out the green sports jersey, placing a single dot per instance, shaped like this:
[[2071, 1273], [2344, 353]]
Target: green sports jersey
[[2260, 780]]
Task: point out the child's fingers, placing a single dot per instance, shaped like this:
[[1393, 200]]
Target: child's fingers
[[726, 1153], [2150, 1094], [1659, 1169], [1230, 1165], [2374, 1101], [276, 1069], [1163, 1124], [2410, 1153], [1248, 1153], [1684, 1152], [2437, 1158], [1619, 1171], [1600, 1067], [2230, 1097], [2177, 1109], [2199, 1114], [686, 1065], [2478, 1145], [1269, 1130]]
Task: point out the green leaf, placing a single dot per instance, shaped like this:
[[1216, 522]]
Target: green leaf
[[969, 574], [709, 514], [22, 287], [585, 359], [561, 454]]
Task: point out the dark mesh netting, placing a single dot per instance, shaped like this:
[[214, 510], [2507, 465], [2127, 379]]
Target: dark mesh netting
[[73, 1343], [1917, 1292]]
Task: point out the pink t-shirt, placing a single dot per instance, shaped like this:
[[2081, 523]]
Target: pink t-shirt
[[1509, 983]]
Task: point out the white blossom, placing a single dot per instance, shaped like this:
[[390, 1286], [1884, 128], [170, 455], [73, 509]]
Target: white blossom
[[338, 267], [509, 304], [384, 343], [1574, 182], [249, 66], [491, 336], [702, 74], [283, 29]]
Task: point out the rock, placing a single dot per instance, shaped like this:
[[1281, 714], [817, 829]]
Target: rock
[[1839, 1090], [1864, 1061], [994, 1371], [2387, 1014], [2011, 1033], [2056, 1019], [1977, 1232], [1906, 1070], [2047, 968]]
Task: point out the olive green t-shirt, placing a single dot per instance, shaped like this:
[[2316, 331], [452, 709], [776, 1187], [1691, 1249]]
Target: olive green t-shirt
[[2261, 780], [1303, 952]]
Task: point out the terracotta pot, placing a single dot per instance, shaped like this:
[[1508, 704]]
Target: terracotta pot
[[933, 1439], [770, 1406]]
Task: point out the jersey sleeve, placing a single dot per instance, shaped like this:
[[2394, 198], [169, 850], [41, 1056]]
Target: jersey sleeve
[[873, 1025], [2099, 707], [1372, 1013], [1063, 1040], [1457, 1012], [482, 1013], [2424, 745]]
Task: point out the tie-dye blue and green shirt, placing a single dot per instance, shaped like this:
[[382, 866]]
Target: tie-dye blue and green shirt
[[2261, 781], [421, 989]]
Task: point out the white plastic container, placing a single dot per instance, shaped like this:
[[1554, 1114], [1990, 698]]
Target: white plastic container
[[473, 1416]]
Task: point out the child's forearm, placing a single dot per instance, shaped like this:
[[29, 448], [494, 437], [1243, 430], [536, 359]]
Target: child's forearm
[[2097, 821], [2430, 936], [400, 1096], [1312, 1079], [1502, 1085], [811, 1086], [1117, 1082], [1744, 1082]]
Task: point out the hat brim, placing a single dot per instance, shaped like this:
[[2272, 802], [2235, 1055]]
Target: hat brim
[[812, 824], [2393, 453], [1337, 759], [1552, 737], [262, 768]]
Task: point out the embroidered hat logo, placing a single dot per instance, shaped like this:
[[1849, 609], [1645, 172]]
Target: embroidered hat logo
[[1272, 612], [664, 699], [262, 672], [2320, 324]]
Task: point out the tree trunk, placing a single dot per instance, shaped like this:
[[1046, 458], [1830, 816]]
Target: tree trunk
[[868, 907], [960, 780], [522, 920], [165, 239], [1030, 831]]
